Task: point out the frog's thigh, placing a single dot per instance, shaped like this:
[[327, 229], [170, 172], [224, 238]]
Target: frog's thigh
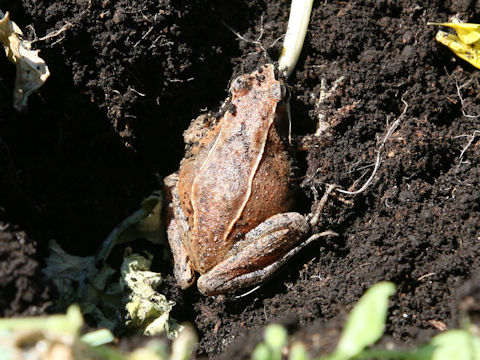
[[264, 249], [175, 220]]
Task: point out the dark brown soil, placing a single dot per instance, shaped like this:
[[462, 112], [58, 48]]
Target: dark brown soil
[[129, 75]]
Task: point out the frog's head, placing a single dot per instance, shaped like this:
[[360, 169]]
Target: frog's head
[[261, 81]]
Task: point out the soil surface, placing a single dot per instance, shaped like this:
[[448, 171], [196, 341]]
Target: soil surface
[[128, 76]]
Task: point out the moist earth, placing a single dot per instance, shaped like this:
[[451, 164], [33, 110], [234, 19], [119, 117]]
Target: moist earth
[[128, 76]]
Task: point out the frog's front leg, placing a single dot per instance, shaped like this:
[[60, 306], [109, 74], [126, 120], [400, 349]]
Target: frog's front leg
[[177, 230], [256, 257]]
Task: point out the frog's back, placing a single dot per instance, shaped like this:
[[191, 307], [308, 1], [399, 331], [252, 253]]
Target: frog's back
[[272, 190], [244, 177]]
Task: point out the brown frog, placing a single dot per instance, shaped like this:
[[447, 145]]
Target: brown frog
[[227, 214]]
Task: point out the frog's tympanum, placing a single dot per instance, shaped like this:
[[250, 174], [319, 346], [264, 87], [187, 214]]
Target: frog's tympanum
[[227, 216]]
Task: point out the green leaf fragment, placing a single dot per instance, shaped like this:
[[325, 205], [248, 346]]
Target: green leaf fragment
[[451, 345], [298, 352], [143, 223], [147, 309], [98, 337], [57, 337], [99, 290], [67, 272], [184, 344], [154, 350], [275, 336], [69, 323], [262, 352], [366, 322]]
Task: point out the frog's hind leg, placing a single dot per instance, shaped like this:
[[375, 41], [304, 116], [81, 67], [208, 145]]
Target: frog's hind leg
[[176, 228], [263, 251]]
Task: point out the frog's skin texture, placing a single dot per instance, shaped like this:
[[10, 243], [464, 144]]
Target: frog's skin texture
[[227, 213]]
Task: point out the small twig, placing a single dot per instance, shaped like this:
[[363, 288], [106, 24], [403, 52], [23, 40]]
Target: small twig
[[55, 33], [378, 160], [248, 292], [438, 324], [35, 38], [181, 80], [136, 92], [150, 29], [322, 124], [359, 266], [320, 205], [324, 95], [425, 276], [57, 41]]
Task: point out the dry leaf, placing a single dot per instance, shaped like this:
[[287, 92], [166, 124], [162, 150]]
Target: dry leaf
[[32, 72]]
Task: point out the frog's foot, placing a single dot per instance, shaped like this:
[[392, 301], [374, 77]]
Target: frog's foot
[[253, 259]]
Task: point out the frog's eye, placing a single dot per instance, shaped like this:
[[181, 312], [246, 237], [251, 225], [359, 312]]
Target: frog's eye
[[240, 85]]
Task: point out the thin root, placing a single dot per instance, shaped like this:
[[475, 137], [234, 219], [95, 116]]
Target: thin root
[[257, 40], [470, 137], [378, 160], [320, 206]]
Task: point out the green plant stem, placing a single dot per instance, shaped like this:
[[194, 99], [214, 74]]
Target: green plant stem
[[298, 20]]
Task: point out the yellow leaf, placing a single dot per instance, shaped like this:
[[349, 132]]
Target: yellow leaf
[[466, 44], [468, 33], [470, 53]]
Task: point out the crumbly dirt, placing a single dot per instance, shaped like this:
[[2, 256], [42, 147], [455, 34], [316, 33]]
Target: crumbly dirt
[[129, 75]]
